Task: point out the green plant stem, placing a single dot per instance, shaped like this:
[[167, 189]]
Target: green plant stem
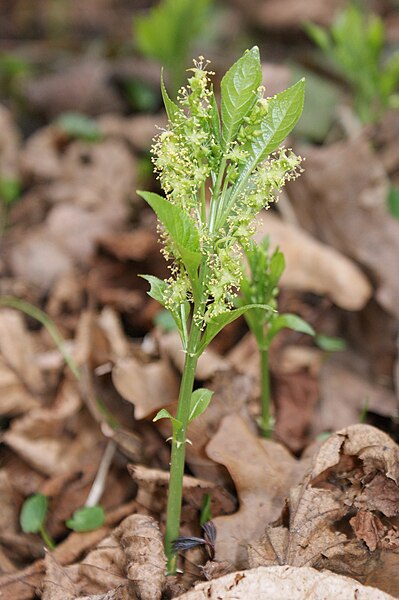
[[179, 439], [265, 422], [46, 538]]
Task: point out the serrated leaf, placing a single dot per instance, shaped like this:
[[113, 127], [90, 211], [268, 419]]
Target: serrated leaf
[[199, 402], [181, 229], [158, 287], [216, 324], [238, 93], [87, 518], [283, 113], [33, 513], [289, 321]]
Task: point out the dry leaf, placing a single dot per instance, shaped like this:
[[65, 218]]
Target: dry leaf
[[43, 436], [342, 196], [148, 386], [345, 390], [353, 478], [279, 583], [142, 543], [288, 14], [152, 491], [263, 472], [315, 267]]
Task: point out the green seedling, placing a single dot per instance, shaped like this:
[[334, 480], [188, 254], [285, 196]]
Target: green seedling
[[33, 516], [167, 33], [230, 156], [355, 45], [393, 201], [87, 518], [259, 286], [78, 126]]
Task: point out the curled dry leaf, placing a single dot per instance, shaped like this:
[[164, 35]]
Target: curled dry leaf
[[263, 472], [316, 267], [141, 541], [349, 186], [277, 583], [353, 480]]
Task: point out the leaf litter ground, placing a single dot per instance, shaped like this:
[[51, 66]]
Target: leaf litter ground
[[293, 511]]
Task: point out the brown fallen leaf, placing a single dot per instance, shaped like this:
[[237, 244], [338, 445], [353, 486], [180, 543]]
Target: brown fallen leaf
[[345, 390], [278, 583], [142, 543], [43, 436], [353, 476], [152, 491], [315, 267], [263, 472], [342, 196], [148, 386]]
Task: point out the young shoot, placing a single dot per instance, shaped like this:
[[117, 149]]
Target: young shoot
[[218, 169], [259, 286]]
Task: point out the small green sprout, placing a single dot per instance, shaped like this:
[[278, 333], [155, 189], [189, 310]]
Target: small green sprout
[[87, 518], [167, 33], [33, 516], [232, 157], [259, 286], [355, 46], [79, 126]]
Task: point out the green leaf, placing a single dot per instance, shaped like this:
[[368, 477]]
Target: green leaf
[[158, 287], [165, 320], [393, 201], [283, 113], [289, 321], [33, 513], [10, 190], [215, 119], [206, 514], [87, 518], [77, 125], [238, 93], [199, 402], [181, 229], [330, 343], [318, 35], [157, 291], [216, 324], [165, 414], [172, 110]]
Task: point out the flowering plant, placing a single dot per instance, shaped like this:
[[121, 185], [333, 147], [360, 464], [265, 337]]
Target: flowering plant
[[218, 169]]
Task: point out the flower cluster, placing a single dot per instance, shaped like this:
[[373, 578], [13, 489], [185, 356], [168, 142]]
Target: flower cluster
[[189, 158]]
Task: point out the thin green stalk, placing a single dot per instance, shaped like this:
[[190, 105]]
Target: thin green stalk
[[175, 492], [46, 538], [265, 422]]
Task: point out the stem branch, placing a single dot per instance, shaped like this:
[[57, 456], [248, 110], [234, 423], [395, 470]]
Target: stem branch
[[265, 422]]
